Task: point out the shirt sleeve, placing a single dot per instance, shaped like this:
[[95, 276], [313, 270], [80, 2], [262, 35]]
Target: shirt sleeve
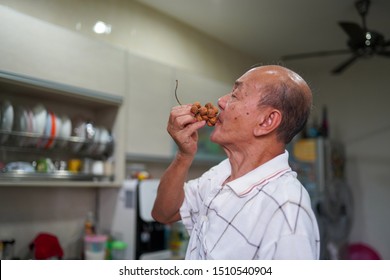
[[294, 247]]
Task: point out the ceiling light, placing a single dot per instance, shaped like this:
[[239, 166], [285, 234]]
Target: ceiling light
[[101, 27]]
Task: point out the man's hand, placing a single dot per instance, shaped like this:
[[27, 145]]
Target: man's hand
[[183, 128]]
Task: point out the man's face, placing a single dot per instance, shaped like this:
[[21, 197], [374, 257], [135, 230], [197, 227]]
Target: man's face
[[238, 113]]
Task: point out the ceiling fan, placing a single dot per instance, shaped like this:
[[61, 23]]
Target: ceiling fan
[[362, 42]]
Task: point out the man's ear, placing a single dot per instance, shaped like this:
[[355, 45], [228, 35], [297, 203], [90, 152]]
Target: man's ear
[[268, 122]]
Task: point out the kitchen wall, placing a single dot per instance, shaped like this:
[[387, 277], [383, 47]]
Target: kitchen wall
[[357, 100]]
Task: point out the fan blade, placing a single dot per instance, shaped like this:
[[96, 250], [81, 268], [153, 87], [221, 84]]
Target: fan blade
[[387, 43], [344, 65], [353, 30], [314, 54], [384, 53]]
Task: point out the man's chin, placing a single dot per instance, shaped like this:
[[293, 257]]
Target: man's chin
[[214, 137]]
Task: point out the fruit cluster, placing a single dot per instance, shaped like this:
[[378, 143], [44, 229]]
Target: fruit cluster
[[208, 112]]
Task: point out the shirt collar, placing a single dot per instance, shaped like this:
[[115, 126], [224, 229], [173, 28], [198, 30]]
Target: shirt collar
[[261, 175]]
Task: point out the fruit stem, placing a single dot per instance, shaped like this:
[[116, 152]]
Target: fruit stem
[[177, 99]]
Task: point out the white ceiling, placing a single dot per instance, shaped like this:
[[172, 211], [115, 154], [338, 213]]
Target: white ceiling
[[269, 29]]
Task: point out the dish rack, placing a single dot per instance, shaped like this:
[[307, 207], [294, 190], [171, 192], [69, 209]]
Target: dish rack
[[23, 150]]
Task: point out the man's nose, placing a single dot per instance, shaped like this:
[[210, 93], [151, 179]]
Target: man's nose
[[222, 102]]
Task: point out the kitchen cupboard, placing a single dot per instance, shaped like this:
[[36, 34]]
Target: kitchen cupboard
[[151, 96], [38, 49]]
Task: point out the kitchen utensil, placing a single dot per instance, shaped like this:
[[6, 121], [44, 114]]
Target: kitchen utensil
[[74, 165], [19, 166], [104, 138], [54, 130], [21, 125], [98, 167], [40, 120], [7, 119], [65, 131], [87, 165], [31, 127], [93, 136], [79, 130], [45, 165]]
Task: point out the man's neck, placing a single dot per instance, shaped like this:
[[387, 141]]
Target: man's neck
[[249, 159]]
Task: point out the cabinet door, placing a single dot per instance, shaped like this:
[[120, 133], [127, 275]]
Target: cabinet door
[[151, 96], [192, 88], [35, 48]]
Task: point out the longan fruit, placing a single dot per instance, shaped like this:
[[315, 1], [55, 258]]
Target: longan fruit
[[208, 112]]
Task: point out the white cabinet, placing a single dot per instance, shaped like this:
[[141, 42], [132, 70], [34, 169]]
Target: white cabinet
[[192, 88], [35, 48], [151, 96]]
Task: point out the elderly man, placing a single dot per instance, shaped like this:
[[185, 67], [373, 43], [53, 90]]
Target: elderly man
[[251, 205]]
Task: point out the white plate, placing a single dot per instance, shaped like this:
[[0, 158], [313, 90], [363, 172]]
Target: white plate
[[66, 127], [104, 138], [40, 116], [31, 128], [21, 120], [21, 124], [65, 131], [7, 118], [40, 119], [80, 132], [46, 132]]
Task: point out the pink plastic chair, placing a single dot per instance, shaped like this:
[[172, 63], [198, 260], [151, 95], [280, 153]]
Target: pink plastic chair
[[361, 251]]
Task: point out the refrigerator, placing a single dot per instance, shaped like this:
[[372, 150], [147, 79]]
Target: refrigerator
[[320, 163]]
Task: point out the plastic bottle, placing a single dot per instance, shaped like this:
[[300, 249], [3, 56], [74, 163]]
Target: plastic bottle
[[175, 240], [118, 249], [89, 226]]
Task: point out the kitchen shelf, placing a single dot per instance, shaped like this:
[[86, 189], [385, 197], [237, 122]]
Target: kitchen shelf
[[79, 104], [60, 184], [52, 176]]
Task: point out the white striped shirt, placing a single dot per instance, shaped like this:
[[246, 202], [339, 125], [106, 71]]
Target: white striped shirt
[[265, 214]]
